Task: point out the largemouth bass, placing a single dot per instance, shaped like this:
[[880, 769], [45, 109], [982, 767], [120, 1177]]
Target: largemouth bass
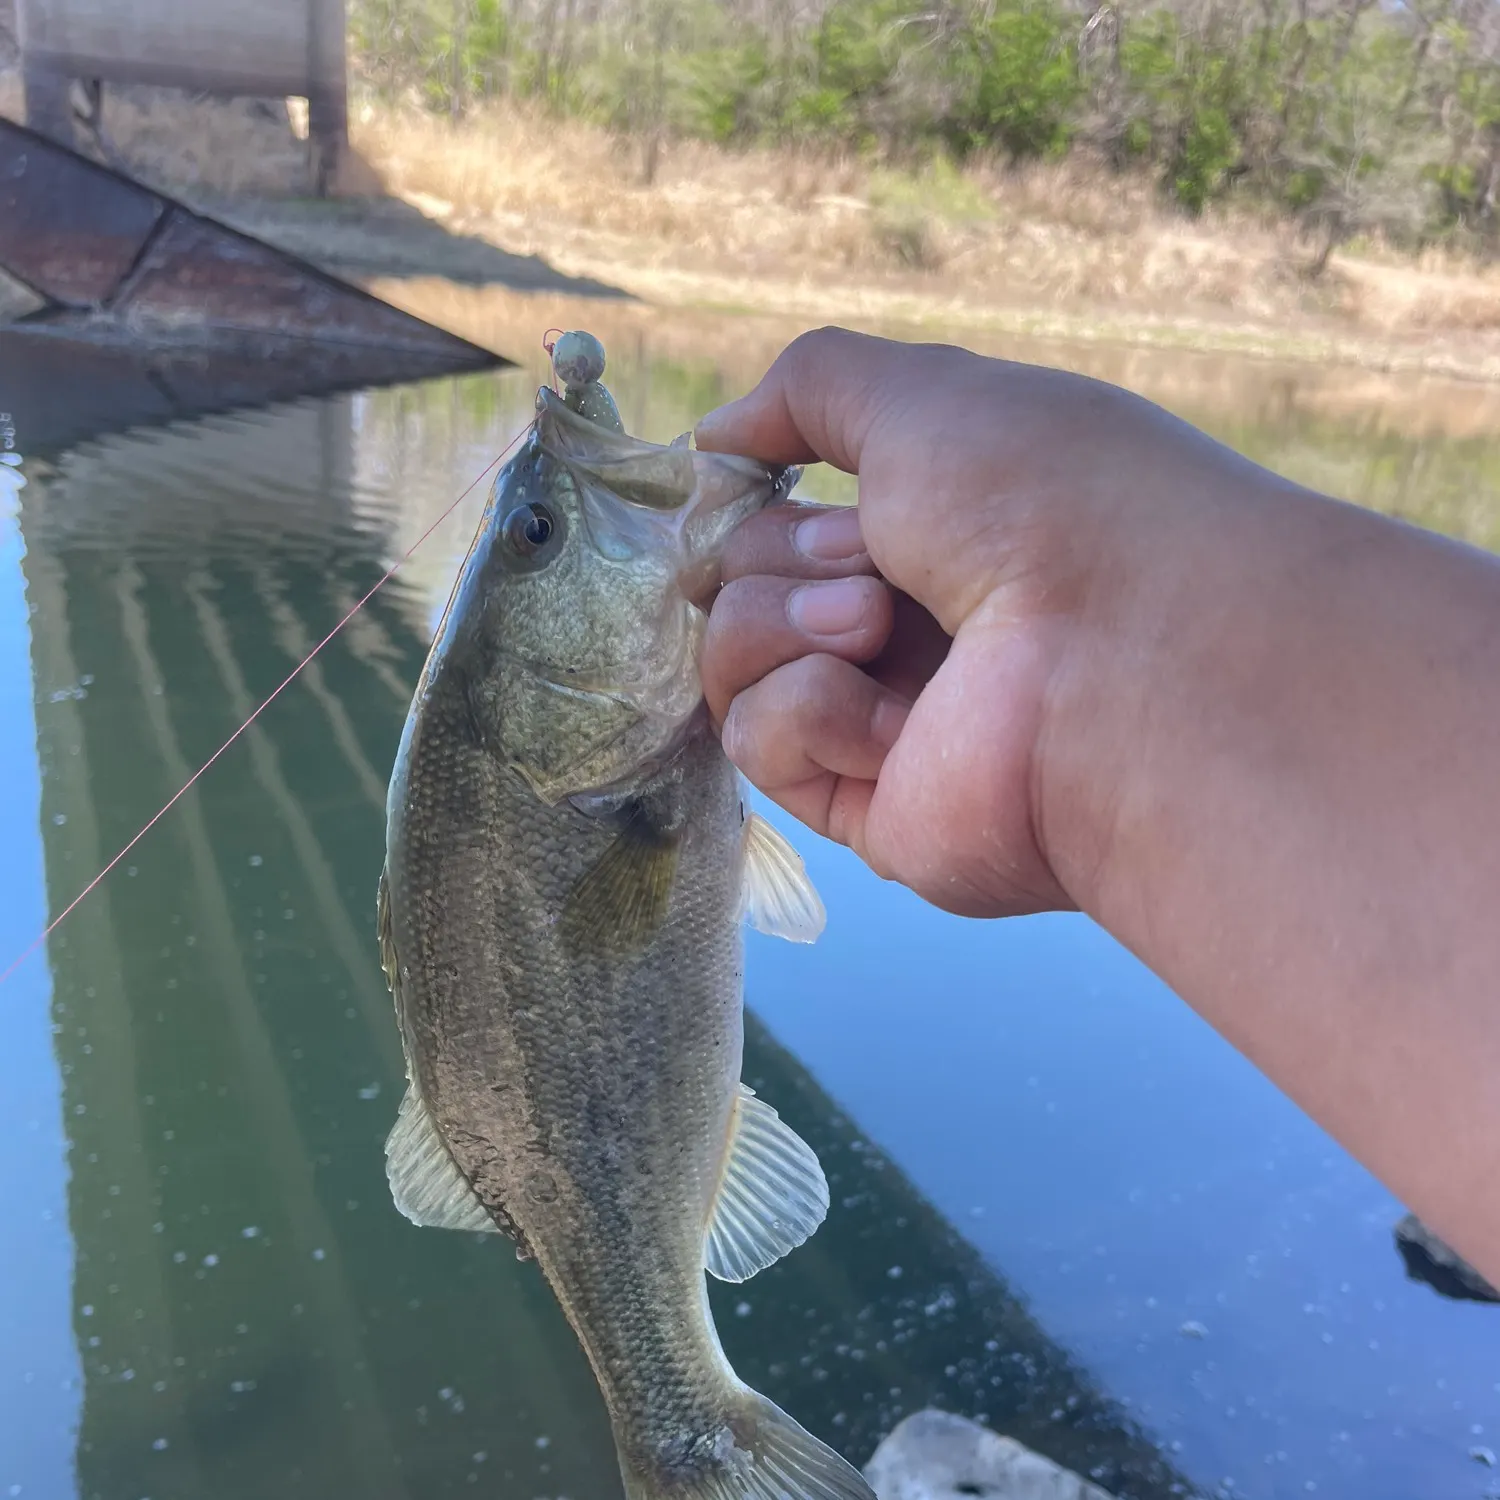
[[569, 865]]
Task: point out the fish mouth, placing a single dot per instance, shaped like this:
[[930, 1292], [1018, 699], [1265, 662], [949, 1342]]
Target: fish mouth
[[673, 479], [647, 475]]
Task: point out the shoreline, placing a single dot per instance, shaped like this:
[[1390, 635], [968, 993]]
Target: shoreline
[[410, 236]]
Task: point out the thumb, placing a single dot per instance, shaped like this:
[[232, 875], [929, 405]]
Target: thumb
[[817, 403]]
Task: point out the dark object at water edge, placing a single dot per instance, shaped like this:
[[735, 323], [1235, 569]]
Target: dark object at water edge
[[1429, 1259]]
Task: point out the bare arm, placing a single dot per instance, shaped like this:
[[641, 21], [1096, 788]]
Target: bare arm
[[1071, 653]]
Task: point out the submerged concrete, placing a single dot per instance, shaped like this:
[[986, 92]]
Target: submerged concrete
[[934, 1455]]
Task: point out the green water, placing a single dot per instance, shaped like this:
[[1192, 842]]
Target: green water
[[219, 1299]]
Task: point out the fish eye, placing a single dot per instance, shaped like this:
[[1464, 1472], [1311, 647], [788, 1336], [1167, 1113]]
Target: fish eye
[[528, 529]]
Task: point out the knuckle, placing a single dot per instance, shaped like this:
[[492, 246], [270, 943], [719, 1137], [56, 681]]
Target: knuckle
[[750, 541], [728, 603], [809, 352], [753, 602], [739, 738], [818, 695]]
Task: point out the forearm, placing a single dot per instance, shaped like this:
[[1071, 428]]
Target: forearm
[[1275, 781]]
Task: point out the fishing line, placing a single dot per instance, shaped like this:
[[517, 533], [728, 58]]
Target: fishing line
[[182, 791]]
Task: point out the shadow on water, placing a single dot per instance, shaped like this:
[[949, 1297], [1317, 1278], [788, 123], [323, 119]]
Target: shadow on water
[[253, 1316]]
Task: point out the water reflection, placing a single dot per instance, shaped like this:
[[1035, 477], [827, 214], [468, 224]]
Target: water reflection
[[253, 1316], [40, 1384], [1418, 446]]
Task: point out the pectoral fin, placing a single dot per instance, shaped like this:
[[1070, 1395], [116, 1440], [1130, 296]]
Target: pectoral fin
[[772, 1197], [619, 903], [778, 897], [425, 1180]]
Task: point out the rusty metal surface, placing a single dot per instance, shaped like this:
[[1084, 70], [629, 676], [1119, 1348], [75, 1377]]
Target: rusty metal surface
[[196, 270], [117, 262], [68, 229]]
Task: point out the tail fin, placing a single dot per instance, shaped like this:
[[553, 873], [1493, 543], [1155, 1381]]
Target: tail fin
[[771, 1458]]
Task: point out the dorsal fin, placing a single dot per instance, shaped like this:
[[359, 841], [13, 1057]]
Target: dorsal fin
[[383, 931], [425, 1180]]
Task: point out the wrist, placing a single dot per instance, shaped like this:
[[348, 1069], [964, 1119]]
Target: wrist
[[1190, 626]]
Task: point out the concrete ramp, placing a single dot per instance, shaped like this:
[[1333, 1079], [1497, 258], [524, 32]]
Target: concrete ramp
[[87, 254]]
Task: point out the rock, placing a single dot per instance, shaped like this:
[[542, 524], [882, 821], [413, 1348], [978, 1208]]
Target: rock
[[1429, 1259], [934, 1455]]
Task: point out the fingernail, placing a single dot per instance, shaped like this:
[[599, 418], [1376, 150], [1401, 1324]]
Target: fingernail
[[832, 608], [831, 536]]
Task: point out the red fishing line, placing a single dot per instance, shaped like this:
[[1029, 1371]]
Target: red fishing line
[[181, 791]]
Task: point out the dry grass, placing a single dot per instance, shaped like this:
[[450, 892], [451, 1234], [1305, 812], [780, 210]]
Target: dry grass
[[194, 146], [745, 227], [1060, 249], [222, 148]]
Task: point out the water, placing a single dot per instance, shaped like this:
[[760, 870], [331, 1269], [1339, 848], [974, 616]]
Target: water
[[1060, 1202]]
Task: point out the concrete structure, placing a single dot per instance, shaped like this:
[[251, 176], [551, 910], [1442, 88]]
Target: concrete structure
[[271, 49], [89, 256]]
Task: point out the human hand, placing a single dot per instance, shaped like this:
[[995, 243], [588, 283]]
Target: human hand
[[912, 677], [1070, 652]]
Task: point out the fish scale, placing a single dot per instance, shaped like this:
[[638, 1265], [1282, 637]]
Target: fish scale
[[569, 866]]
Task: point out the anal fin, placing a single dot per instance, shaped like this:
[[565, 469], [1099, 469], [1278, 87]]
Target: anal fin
[[425, 1180], [772, 1197]]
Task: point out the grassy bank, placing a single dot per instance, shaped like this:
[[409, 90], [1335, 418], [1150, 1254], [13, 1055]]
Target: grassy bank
[[1045, 248], [1054, 250]]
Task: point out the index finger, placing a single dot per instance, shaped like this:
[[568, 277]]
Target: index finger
[[819, 401]]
